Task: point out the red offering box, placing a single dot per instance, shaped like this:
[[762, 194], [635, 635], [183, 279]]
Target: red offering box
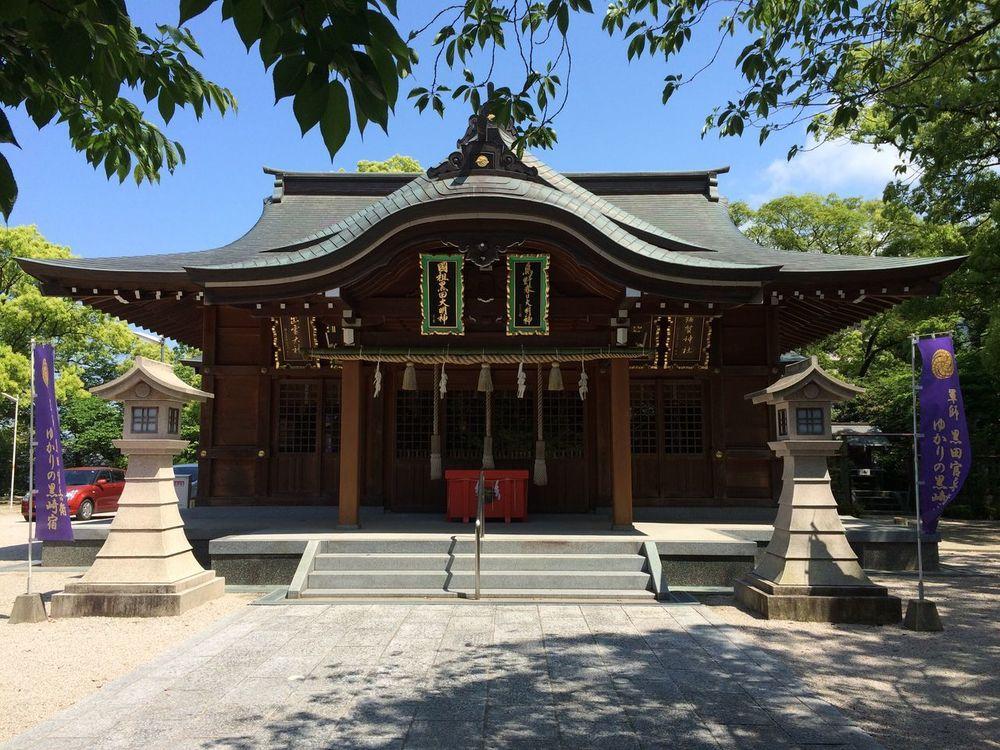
[[513, 502]]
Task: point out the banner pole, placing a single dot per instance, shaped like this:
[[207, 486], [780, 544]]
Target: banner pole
[[916, 467], [31, 465]]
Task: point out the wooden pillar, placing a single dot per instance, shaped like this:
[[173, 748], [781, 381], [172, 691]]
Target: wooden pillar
[[621, 446], [350, 444]]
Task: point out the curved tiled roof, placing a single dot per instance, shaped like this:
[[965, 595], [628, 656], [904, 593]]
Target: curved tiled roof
[[668, 219], [598, 213]]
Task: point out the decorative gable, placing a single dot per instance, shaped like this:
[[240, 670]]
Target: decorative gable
[[483, 150]]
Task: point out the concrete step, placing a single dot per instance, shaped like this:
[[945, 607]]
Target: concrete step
[[466, 562], [496, 545], [490, 579], [590, 595]]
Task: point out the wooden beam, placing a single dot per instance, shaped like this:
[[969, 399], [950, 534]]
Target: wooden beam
[[621, 446], [351, 445]]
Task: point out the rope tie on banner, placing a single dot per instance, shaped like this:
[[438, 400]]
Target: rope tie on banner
[[541, 477], [436, 434]]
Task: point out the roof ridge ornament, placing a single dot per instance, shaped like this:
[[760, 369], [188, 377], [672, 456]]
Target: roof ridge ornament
[[484, 150]]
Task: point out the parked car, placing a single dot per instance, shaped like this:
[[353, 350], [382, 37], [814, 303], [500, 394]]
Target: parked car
[[90, 490], [189, 470]]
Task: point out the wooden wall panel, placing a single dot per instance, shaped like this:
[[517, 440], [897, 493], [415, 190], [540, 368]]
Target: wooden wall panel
[[746, 424], [743, 337], [748, 476], [746, 362], [235, 427], [237, 410], [232, 480]]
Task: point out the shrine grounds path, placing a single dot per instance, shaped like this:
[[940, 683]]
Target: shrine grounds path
[[470, 675], [458, 675]]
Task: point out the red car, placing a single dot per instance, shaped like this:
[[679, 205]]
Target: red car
[[90, 490]]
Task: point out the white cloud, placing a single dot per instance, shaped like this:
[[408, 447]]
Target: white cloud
[[837, 166]]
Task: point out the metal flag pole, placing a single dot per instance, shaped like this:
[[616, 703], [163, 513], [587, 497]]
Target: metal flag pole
[[916, 466], [13, 450], [31, 466]]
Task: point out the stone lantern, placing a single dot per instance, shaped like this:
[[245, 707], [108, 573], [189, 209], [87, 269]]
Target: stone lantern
[[146, 567], [809, 571]]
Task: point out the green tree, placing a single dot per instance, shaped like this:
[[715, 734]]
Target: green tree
[[854, 226], [69, 61], [876, 352], [89, 425], [831, 65], [91, 348], [397, 163]]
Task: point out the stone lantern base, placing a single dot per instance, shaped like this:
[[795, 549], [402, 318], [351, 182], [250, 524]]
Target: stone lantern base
[[809, 571], [865, 604], [146, 567], [137, 600]]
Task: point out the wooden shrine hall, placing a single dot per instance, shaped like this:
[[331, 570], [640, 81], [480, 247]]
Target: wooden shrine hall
[[372, 332]]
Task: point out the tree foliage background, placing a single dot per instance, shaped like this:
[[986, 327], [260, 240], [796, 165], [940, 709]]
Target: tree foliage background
[[91, 348], [876, 354]]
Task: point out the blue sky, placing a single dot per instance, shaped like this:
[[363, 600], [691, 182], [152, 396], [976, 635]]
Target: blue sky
[[614, 121]]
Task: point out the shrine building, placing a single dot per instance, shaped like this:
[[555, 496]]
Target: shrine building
[[372, 332]]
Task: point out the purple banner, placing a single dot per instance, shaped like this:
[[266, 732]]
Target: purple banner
[[52, 522], [944, 438]]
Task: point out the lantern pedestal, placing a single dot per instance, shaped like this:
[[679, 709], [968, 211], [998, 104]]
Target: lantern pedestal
[[809, 571], [146, 567]]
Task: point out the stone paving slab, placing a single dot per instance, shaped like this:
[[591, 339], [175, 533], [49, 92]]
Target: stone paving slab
[[457, 675]]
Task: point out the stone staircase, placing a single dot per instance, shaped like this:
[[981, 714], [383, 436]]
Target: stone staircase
[[511, 567]]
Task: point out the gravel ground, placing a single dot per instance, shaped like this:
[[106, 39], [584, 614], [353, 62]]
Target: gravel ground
[[49, 666], [909, 690]]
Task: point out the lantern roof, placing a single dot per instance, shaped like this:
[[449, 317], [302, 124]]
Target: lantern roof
[[800, 374], [158, 375]]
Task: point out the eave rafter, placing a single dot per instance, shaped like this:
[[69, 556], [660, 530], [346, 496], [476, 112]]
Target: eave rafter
[[175, 314]]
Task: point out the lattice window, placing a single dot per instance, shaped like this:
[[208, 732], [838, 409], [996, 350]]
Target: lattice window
[[414, 423], [513, 426], [144, 418], [298, 407], [173, 421], [465, 425], [683, 420], [809, 421], [331, 417], [563, 424], [643, 418]]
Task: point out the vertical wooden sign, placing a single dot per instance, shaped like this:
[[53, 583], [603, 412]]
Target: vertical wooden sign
[[441, 299], [527, 295], [293, 336], [688, 341]]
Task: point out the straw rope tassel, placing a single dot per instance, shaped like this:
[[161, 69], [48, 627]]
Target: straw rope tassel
[[541, 477], [488, 437], [410, 377], [555, 378], [485, 384], [436, 434]]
